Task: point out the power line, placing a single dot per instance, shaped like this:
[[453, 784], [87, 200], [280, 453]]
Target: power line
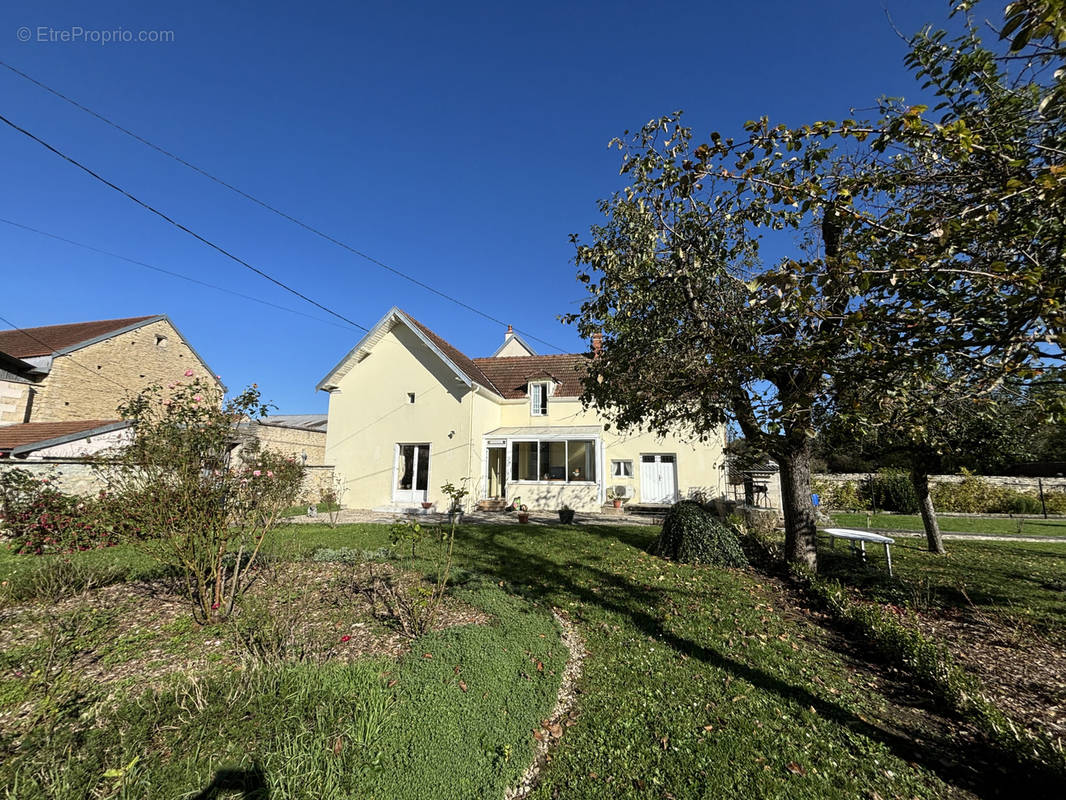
[[267, 206], [178, 225], [169, 272]]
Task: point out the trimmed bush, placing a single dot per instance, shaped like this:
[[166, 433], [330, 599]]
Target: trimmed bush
[[892, 490], [692, 535]]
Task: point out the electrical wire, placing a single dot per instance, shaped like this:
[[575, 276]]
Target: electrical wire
[[267, 206], [178, 225], [170, 272]]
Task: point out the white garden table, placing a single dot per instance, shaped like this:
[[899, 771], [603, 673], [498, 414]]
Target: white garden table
[[859, 539]]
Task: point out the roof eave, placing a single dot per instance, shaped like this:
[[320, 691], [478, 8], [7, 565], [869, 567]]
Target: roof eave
[[68, 437], [327, 384]]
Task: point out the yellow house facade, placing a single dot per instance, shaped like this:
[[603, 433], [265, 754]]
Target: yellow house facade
[[409, 412]]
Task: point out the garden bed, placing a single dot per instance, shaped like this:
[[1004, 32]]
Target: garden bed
[[307, 676]]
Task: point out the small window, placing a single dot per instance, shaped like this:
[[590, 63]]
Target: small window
[[410, 397], [666, 459], [161, 341], [538, 399], [648, 459], [622, 469]]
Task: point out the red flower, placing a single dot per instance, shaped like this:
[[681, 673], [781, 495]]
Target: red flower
[[345, 638]]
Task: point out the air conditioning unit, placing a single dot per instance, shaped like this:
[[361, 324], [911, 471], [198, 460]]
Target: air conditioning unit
[[623, 492]]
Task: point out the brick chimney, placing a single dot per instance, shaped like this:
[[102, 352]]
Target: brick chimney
[[597, 344]]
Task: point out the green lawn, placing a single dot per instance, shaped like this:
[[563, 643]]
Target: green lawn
[[1027, 526], [700, 682], [1023, 583], [299, 511]]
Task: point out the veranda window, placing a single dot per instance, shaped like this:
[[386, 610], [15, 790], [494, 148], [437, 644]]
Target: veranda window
[[562, 460]]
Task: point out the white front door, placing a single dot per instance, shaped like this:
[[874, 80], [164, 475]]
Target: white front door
[[658, 478], [412, 473]]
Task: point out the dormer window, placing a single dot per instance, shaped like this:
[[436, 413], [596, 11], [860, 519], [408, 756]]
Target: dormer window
[[538, 399]]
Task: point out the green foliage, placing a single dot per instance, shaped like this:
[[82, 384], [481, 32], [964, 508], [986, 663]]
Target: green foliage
[[199, 513], [892, 490], [927, 259], [974, 495], [413, 604], [692, 535], [38, 518], [455, 494], [839, 494]]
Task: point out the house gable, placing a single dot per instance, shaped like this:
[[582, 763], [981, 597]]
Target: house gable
[[451, 357]]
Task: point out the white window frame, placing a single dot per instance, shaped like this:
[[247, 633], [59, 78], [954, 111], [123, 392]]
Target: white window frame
[[397, 455], [538, 409], [597, 460], [617, 463]]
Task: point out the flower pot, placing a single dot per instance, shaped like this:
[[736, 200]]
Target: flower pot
[[427, 505], [617, 503], [566, 515], [523, 517]]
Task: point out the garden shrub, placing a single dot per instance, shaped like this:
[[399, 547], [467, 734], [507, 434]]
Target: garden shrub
[[974, 495], [1055, 502], [196, 510], [40, 519], [839, 495], [892, 490], [693, 535], [971, 495]]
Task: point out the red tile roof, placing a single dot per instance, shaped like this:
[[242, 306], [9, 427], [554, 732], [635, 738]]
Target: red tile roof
[[511, 374], [47, 339], [32, 432], [508, 376]]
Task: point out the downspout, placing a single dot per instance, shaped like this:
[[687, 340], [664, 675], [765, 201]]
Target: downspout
[[470, 452]]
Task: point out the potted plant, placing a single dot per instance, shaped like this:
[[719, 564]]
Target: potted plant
[[456, 495], [614, 498], [427, 505], [566, 514], [523, 514]]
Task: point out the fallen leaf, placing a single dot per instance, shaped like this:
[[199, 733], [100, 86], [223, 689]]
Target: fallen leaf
[[462, 685], [795, 768]]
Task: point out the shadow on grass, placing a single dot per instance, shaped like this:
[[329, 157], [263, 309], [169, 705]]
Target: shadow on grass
[[497, 551], [251, 783]]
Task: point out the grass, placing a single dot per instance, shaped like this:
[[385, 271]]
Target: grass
[[1022, 583], [451, 719], [1017, 526], [694, 687], [699, 683], [299, 511]]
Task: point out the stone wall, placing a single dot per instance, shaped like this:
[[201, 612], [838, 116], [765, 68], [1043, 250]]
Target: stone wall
[[92, 382], [316, 480], [289, 441], [13, 397], [1018, 483], [73, 476], [70, 476]]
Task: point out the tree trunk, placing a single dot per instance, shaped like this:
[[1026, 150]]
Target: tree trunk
[[925, 503], [800, 531]]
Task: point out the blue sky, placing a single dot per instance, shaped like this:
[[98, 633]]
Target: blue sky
[[461, 143]]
